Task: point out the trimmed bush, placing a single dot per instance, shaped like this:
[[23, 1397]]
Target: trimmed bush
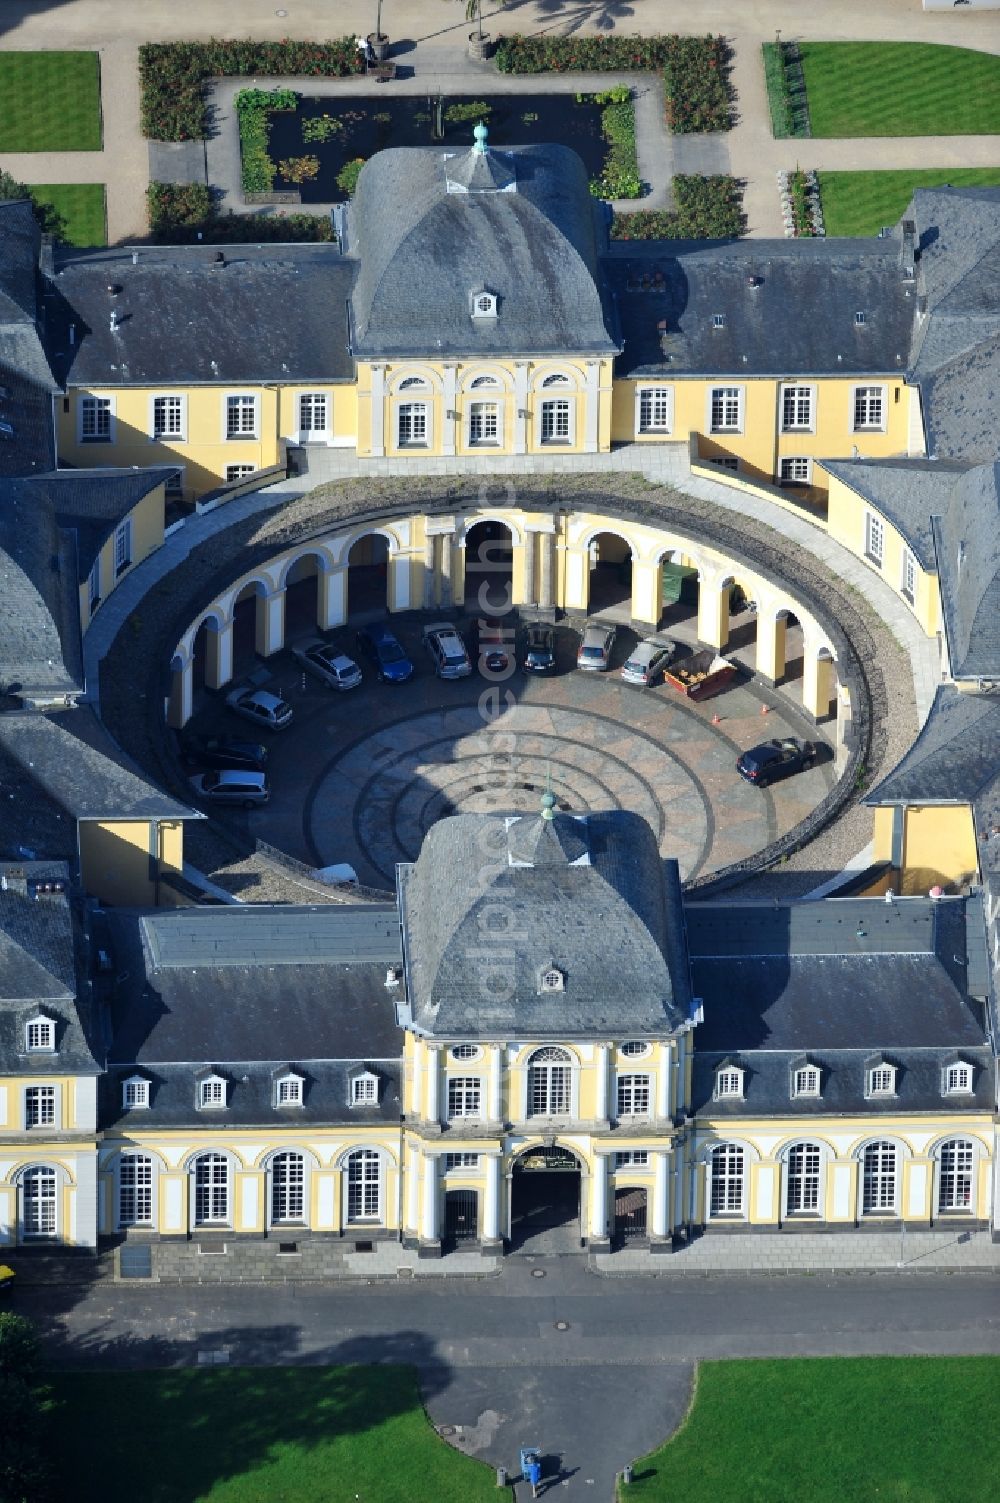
[[172, 75], [183, 213], [253, 109], [708, 208], [347, 177], [695, 69], [620, 176]]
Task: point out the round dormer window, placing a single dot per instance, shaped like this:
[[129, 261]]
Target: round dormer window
[[466, 1051], [552, 980], [634, 1048]]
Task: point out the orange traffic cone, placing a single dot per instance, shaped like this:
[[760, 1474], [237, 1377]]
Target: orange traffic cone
[[765, 709]]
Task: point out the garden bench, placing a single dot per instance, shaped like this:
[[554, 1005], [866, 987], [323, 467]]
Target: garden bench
[[382, 72]]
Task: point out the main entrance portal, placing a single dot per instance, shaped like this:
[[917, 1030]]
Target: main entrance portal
[[545, 1201]]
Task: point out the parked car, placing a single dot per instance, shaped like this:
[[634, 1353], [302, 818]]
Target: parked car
[[383, 651], [775, 759], [223, 751], [595, 649], [447, 650], [494, 638], [701, 675], [328, 663], [648, 660], [267, 710], [233, 786], [539, 648]]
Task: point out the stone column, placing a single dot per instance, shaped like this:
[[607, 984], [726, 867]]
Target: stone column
[[661, 1193], [491, 1207], [218, 656], [494, 1089], [771, 632], [817, 682], [713, 611], [270, 624], [331, 598], [413, 1192], [429, 1210], [378, 411], [447, 547], [599, 1240], [181, 704], [430, 569], [577, 579], [645, 605], [601, 1081], [528, 581], [432, 1065], [663, 1083], [546, 586]]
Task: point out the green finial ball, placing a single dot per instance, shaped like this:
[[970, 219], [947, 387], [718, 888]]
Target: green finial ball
[[480, 133], [548, 805]]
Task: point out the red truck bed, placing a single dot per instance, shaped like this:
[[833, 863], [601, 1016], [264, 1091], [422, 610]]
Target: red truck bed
[[701, 675]]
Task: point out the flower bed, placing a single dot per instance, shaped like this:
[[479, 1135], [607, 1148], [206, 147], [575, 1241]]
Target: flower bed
[[172, 75], [184, 213], [695, 69], [253, 109], [708, 208], [620, 177]]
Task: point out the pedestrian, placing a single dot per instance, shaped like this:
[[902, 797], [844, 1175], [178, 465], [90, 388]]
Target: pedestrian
[[534, 1476]]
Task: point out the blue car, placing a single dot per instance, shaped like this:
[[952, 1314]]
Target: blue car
[[382, 649]]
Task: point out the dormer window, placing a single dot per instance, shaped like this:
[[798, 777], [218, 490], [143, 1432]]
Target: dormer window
[[860, 318], [552, 979], [805, 1081], [484, 305], [40, 1035], [364, 1089], [211, 1093], [958, 1079], [718, 320], [135, 1093], [881, 1080], [728, 1083], [288, 1089]]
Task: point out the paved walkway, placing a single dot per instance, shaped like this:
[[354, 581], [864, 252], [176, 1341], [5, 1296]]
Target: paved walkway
[[815, 1252], [428, 28]]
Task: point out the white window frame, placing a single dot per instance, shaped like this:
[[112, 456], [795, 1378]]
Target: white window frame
[[635, 1096], [45, 1029], [880, 1081], [634, 1049], [877, 1181], [465, 1051], [364, 1089], [288, 1090], [726, 1193], [957, 1079], [557, 414], [908, 576], [212, 1094], [135, 1093], [805, 1081], [415, 416], [803, 1177], [798, 400], [312, 432], [465, 1096], [874, 539], [94, 595], [479, 412], [956, 1181], [461, 1163], [170, 403], [240, 402], [237, 472], [123, 547], [720, 402], [88, 408], [484, 305], [652, 402], [728, 1084], [141, 1189], [41, 1102], [864, 401], [632, 1158], [549, 1078], [364, 1173], [788, 464], [287, 1191], [50, 1201], [217, 1185]]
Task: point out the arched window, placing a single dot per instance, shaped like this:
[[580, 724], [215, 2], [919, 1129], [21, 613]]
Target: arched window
[[955, 1174], [727, 1179], [413, 383], [288, 1188], [211, 1190], [38, 1202], [550, 1083], [364, 1186], [878, 1187], [135, 1190], [483, 383], [803, 1179], [556, 380]]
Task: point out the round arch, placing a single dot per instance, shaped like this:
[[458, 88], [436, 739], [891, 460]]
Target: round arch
[[318, 551], [504, 519], [234, 1158], [63, 1175], [341, 546], [264, 1159], [559, 377], [386, 1154], [424, 374], [860, 1144], [499, 379]]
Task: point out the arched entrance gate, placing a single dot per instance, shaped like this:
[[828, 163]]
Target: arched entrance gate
[[546, 1199]]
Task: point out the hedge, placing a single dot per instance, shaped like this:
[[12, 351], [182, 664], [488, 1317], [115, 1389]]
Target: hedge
[[253, 110], [695, 69], [172, 75], [184, 213], [708, 208]]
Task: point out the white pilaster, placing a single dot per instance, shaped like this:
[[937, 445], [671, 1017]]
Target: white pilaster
[[332, 598], [270, 634], [599, 1197], [494, 1103], [449, 399], [432, 1066], [601, 1077], [429, 1218], [491, 1209], [546, 586], [520, 406], [378, 411], [663, 1083], [430, 569], [447, 548], [413, 1191], [181, 705], [661, 1194], [592, 411], [528, 587], [218, 656]]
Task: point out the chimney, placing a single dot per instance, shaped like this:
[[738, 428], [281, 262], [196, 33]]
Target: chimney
[[908, 250], [220, 259], [46, 264], [13, 879]]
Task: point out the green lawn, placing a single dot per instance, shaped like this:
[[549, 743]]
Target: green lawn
[[80, 206], [900, 89], [833, 1430], [255, 1435], [50, 101], [859, 203]]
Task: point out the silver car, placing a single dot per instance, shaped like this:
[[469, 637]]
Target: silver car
[[263, 709], [648, 660], [447, 651], [232, 786], [595, 650], [328, 663]]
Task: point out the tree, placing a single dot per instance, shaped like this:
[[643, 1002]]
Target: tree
[[474, 12], [49, 221], [24, 1469]]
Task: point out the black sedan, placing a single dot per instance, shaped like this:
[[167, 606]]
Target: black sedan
[[223, 751], [775, 759]]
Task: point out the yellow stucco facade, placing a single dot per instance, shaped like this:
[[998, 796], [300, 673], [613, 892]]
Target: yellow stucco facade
[[927, 845], [122, 860], [885, 550], [143, 533]]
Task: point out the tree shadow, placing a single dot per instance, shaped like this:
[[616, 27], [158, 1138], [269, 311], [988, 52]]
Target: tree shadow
[[574, 15]]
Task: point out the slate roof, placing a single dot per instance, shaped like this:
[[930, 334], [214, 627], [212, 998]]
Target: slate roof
[[39, 949], [955, 758], [955, 352], [797, 320], [967, 545], [75, 763], [264, 313], [26, 408], [480, 925], [228, 987], [534, 247], [91, 503], [20, 245], [908, 492]]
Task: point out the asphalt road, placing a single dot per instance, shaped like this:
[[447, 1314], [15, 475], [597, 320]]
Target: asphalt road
[[595, 1371]]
